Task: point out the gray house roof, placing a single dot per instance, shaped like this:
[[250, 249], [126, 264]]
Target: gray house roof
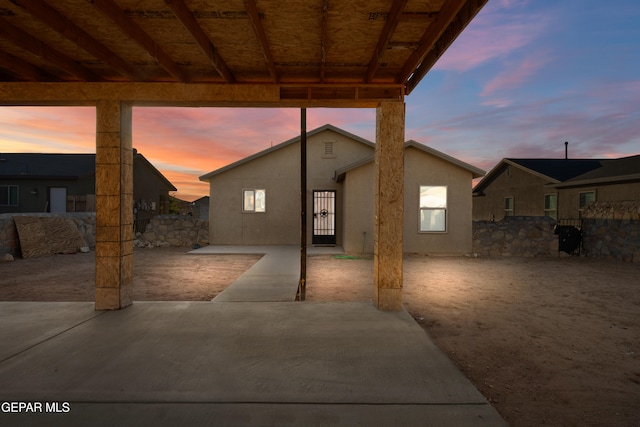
[[476, 172], [562, 173], [46, 166], [286, 143], [624, 169], [554, 171], [58, 166]]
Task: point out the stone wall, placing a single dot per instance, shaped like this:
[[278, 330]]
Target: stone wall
[[524, 236], [612, 230], [174, 230], [10, 244]]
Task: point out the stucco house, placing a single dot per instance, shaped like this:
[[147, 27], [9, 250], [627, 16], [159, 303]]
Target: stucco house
[[36, 182], [558, 188], [256, 200]]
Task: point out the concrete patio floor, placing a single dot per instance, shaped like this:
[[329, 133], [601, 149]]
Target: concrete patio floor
[[229, 364]]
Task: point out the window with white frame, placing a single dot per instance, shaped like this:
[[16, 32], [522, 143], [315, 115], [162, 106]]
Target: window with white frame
[[254, 200], [585, 198], [551, 205], [508, 206], [433, 208], [8, 195]]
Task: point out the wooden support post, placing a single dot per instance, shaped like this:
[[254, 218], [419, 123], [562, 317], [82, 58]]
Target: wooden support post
[[389, 206], [303, 205], [114, 205]]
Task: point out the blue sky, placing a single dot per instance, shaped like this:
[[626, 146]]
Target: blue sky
[[523, 78]]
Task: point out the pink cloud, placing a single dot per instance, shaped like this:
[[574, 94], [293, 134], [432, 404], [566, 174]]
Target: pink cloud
[[492, 34], [47, 129], [513, 77]]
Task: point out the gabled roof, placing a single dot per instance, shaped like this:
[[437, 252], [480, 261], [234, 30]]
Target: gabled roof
[[286, 143], [476, 172], [140, 157], [58, 166], [554, 171], [624, 169]]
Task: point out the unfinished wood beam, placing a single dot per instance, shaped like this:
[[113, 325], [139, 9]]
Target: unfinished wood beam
[[388, 206], [114, 205], [66, 28], [184, 15], [461, 20], [199, 95], [323, 39], [22, 69], [31, 44], [258, 29], [418, 65], [139, 36], [385, 37]]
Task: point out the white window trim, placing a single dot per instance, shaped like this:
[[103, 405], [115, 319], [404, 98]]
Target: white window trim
[[445, 209], [254, 190]]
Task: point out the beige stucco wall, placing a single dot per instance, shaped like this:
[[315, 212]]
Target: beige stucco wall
[[278, 225], [278, 173], [527, 190], [420, 169], [358, 188], [424, 169], [568, 198]]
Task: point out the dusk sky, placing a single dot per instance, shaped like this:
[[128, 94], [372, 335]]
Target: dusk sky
[[524, 77]]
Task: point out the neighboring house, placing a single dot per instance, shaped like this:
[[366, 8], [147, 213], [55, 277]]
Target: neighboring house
[[201, 208], [31, 182], [558, 188], [256, 200]]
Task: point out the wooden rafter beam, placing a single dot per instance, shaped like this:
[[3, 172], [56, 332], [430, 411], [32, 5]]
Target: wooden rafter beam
[[139, 36], [323, 39], [200, 95], [65, 27], [23, 70], [31, 44], [184, 15], [451, 20], [258, 29], [385, 37]]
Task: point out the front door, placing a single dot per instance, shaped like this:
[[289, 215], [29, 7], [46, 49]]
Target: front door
[[324, 217], [57, 199]]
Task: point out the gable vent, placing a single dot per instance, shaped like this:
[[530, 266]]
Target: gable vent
[[328, 150]]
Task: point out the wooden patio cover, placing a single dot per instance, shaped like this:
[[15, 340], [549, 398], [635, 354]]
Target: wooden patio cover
[[115, 54]]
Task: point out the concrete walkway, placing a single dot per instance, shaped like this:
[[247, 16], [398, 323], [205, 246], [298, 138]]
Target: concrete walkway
[[228, 364], [274, 278]]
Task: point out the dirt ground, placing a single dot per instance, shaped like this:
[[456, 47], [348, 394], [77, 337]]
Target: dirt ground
[[548, 341]]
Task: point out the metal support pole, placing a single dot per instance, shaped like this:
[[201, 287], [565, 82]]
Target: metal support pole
[[303, 205]]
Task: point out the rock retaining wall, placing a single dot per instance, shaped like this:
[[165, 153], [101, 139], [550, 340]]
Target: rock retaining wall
[[523, 236], [612, 230], [10, 244], [174, 230]]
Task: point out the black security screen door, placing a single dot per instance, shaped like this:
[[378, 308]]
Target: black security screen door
[[324, 217]]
